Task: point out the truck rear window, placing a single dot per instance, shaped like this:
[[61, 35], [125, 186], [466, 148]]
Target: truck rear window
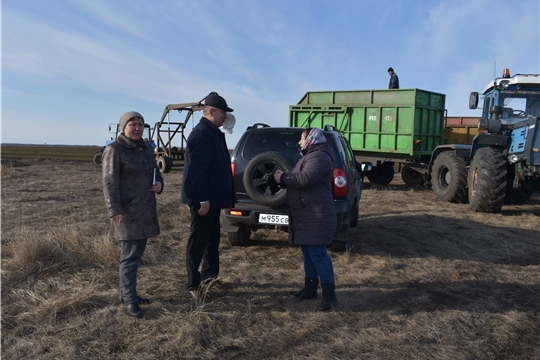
[[283, 142]]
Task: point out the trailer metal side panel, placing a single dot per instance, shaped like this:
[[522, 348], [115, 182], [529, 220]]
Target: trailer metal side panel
[[401, 122], [461, 129]]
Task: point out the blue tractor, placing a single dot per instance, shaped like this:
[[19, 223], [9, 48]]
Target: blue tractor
[[502, 165]]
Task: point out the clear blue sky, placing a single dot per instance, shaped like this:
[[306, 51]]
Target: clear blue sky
[[71, 67]]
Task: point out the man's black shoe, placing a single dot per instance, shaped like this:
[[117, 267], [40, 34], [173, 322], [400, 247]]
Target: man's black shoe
[[140, 300], [134, 310]]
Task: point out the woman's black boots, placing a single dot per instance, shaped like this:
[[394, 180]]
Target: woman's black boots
[[329, 297], [309, 291]]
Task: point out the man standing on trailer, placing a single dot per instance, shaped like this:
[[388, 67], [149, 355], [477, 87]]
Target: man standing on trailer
[[394, 80]]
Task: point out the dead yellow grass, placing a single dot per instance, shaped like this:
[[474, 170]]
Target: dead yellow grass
[[423, 280]]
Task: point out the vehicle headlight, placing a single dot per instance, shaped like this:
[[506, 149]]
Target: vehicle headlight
[[512, 158]]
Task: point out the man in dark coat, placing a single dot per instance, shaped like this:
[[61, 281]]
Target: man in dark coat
[[312, 214], [394, 80], [207, 188]]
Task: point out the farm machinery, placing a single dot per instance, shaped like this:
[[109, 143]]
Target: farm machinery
[[496, 160], [502, 165], [162, 134]]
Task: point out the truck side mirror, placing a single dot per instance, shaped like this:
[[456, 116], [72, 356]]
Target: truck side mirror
[[473, 100], [365, 167]]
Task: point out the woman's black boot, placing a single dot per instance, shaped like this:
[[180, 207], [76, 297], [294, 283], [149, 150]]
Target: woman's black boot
[[309, 291], [329, 297]]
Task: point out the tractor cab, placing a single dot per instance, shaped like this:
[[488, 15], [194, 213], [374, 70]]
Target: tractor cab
[[509, 102]]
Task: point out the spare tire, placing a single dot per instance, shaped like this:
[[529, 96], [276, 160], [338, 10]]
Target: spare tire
[[259, 179]]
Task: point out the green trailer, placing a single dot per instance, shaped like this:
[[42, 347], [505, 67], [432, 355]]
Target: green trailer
[[384, 127]]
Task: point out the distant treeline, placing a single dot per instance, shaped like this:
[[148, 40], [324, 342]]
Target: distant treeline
[[57, 152]]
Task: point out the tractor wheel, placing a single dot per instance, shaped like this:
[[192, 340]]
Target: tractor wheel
[[487, 180], [412, 177], [164, 164], [382, 175], [449, 178], [239, 238], [259, 179], [98, 158]]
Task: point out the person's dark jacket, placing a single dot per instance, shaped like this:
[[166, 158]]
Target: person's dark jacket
[[394, 82], [127, 174], [312, 213], [207, 168]]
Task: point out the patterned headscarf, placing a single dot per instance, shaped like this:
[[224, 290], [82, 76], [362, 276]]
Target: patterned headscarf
[[314, 137]]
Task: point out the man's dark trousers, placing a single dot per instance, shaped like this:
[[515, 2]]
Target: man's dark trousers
[[203, 245]]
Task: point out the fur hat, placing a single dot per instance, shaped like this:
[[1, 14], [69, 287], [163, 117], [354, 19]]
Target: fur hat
[[124, 119]]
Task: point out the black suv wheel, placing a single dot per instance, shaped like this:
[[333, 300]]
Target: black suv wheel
[[240, 237]]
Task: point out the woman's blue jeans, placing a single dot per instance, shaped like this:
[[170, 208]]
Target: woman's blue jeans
[[317, 263]]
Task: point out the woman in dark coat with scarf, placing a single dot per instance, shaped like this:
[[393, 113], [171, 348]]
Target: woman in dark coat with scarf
[[312, 214], [131, 179]]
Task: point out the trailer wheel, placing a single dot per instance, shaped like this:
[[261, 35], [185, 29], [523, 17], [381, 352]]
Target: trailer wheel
[[449, 178], [412, 177], [382, 175], [259, 179], [164, 164], [239, 238], [98, 158], [487, 180]]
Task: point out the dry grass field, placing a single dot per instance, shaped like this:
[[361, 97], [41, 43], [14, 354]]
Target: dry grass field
[[424, 280]]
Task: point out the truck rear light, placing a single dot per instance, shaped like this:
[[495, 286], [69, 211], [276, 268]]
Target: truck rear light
[[340, 183]]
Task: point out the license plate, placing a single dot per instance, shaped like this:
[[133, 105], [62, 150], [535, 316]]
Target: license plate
[[273, 219]]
